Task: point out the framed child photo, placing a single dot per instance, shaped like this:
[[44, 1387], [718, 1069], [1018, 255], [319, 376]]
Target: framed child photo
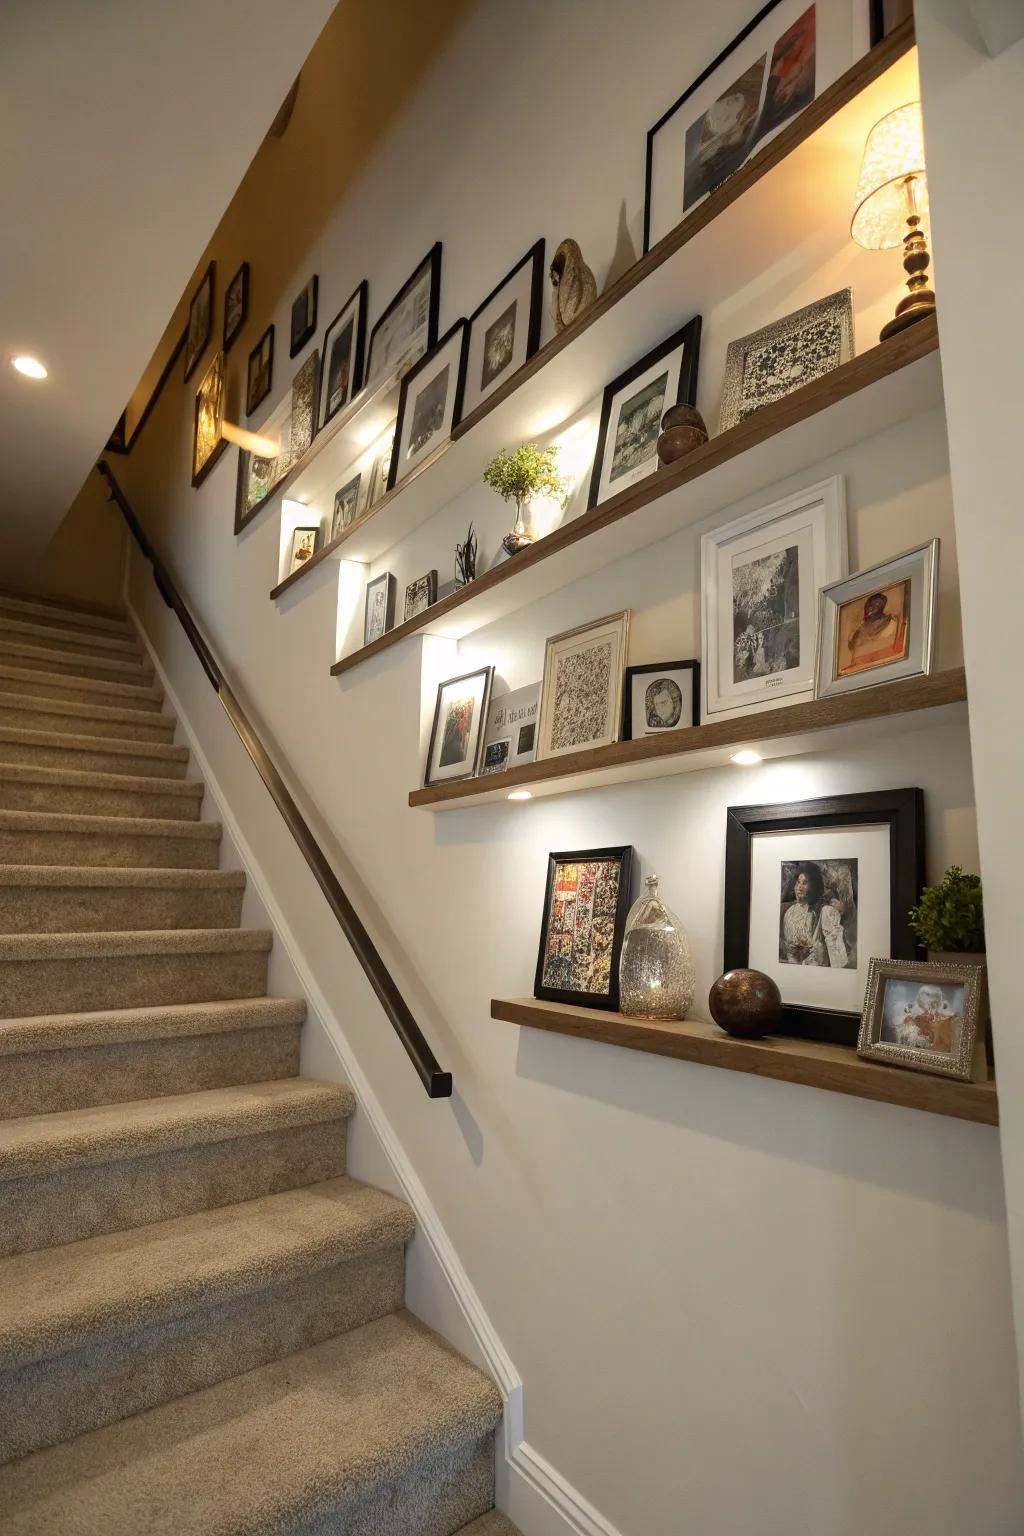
[[926, 1015], [456, 735], [304, 545], [660, 696], [303, 316], [581, 691], [408, 327], [504, 331], [260, 372], [879, 625], [200, 320], [341, 368], [379, 615], [428, 403], [586, 902], [236, 305]]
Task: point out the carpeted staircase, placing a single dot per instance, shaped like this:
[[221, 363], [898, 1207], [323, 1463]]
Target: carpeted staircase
[[201, 1318]]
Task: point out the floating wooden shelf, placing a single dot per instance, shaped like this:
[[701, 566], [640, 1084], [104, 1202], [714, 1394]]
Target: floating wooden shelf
[[815, 725], [837, 1068]]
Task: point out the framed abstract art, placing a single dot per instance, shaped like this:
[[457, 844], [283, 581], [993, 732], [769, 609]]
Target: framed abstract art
[[586, 901], [769, 364], [581, 691]]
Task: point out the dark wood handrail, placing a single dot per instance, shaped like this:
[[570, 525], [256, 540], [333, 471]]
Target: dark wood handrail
[[437, 1083]]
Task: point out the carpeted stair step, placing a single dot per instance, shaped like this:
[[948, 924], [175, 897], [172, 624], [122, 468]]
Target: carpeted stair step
[[26, 712], [63, 1061], [41, 837], [63, 898], [493, 1523], [79, 690], [125, 796], [65, 612], [383, 1429], [39, 658], [98, 1330], [93, 754], [75, 642], [69, 1176]]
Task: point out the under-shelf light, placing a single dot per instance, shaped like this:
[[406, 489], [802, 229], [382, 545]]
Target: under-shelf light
[[29, 367], [520, 794], [746, 758]]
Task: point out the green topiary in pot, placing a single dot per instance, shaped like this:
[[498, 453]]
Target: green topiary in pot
[[529, 471], [950, 916]]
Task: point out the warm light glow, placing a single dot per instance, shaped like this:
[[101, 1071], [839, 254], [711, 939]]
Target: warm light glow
[[370, 431], [746, 758], [892, 181], [252, 442], [31, 367], [520, 794]]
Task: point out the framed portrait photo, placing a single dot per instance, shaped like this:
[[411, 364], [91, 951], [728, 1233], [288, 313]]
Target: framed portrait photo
[[813, 890], [511, 736], [760, 579], [208, 442], [346, 506], [408, 327], [419, 594], [236, 305], [660, 696], [772, 362], [303, 322], [304, 545], [380, 607], [586, 901], [581, 691], [631, 412], [260, 372], [428, 403], [879, 625], [504, 330], [341, 370], [200, 320], [926, 1015], [456, 735]]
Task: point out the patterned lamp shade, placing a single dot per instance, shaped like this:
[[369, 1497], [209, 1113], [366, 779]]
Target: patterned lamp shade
[[894, 151]]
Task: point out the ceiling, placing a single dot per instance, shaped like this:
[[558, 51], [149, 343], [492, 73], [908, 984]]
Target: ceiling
[[127, 126]]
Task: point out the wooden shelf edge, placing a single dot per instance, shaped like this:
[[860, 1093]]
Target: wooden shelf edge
[[836, 1068]]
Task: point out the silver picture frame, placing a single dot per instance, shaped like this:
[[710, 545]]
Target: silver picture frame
[[890, 1026], [770, 363], [896, 639]]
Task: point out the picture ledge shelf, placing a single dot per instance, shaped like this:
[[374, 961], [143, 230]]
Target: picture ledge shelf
[[836, 1068], [813, 725]]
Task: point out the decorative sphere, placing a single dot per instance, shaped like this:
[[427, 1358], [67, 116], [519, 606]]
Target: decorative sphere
[[745, 1003], [682, 430]]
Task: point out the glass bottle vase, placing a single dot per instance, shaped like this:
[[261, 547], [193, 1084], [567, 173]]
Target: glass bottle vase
[[656, 975]]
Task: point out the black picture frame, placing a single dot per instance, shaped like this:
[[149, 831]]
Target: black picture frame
[[424, 364], [473, 762], [535, 255], [359, 296], [624, 856], [431, 260], [882, 22], [693, 667], [194, 349], [687, 337], [390, 587], [430, 580], [902, 810], [242, 277], [198, 476], [299, 337], [253, 402]]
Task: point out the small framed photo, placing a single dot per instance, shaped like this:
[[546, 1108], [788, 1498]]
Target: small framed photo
[[585, 906], [304, 544], [236, 304], [208, 442], [200, 320], [926, 1016], [380, 607], [772, 362], [660, 696], [511, 736], [380, 470], [457, 733], [428, 403], [504, 330], [408, 327], [342, 366], [420, 594], [260, 373], [303, 316], [879, 625], [581, 691], [346, 507], [634, 403]]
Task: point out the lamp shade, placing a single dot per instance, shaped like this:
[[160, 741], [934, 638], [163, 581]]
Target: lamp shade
[[894, 151]]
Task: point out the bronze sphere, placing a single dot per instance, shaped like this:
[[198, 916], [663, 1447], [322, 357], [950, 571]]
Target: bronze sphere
[[745, 1003]]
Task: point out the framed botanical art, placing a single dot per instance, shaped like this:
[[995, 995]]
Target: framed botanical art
[[200, 320], [879, 625], [303, 316], [236, 304], [260, 372], [511, 735], [344, 344], [346, 506], [428, 403], [585, 906], [813, 890], [380, 607], [769, 364], [631, 412], [926, 1015], [760, 578], [504, 330], [660, 696], [408, 327], [208, 443], [419, 594], [457, 732], [304, 543], [581, 691], [290, 424]]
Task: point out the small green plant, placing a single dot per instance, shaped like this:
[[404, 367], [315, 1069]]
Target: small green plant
[[950, 914], [529, 471]]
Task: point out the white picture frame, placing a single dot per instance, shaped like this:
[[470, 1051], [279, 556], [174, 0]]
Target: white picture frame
[[902, 644], [581, 690]]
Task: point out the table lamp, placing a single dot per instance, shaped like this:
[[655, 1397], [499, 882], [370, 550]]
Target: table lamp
[[891, 203]]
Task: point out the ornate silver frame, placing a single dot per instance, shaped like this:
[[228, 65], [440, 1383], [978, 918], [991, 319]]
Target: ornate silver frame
[[960, 1062], [837, 306]]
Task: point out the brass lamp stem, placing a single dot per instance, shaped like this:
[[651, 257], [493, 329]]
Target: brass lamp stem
[[920, 301]]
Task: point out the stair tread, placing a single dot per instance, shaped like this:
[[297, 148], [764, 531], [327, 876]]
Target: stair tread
[[72, 709], [316, 1431], [116, 664], [64, 1031], [77, 610], [58, 1299], [20, 947], [24, 678], [103, 642], [79, 778], [111, 746], [101, 876], [494, 1523], [121, 826]]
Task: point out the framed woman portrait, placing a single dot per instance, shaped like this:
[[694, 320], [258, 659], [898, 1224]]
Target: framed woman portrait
[[586, 902], [457, 732], [879, 625], [341, 367]]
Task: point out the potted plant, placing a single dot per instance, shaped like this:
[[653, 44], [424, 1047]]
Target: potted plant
[[949, 919], [529, 471]]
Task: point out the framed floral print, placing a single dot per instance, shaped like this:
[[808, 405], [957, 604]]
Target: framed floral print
[[879, 625], [581, 691], [504, 331], [200, 321], [585, 906], [428, 403], [341, 369], [236, 305], [408, 327], [208, 443], [457, 732]]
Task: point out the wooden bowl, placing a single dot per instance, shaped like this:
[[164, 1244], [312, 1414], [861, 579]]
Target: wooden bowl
[[682, 430]]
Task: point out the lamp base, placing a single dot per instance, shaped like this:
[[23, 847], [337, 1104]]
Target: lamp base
[[917, 307], [920, 301]]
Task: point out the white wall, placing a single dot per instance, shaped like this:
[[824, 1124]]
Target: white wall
[[736, 1305]]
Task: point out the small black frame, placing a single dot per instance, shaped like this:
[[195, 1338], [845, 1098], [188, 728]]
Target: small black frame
[[433, 260], [218, 452], [536, 255], [298, 339], [359, 297], [487, 673], [409, 379], [624, 855], [901, 809], [192, 358], [253, 402], [693, 667], [242, 276]]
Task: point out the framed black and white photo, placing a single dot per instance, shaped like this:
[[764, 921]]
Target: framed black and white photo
[[428, 403], [760, 579], [504, 330], [346, 506], [341, 370], [208, 441], [303, 316], [879, 625], [420, 594], [770, 363], [236, 304], [633, 405], [380, 607], [304, 544], [260, 372], [660, 696], [200, 320], [581, 691], [926, 1015], [290, 424], [456, 735], [511, 736], [408, 327], [586, 901], [813, 890]]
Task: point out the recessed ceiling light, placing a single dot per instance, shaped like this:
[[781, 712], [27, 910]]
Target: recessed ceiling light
[[520, 794], [31, 367], [746, 758]]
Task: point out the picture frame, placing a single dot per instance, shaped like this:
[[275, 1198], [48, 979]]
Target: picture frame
[[342, 355], [420, 594], [504, 330], [878, 626], [860, 860], [760, 578], [291, 423], [428, 403], [408, 327], [303, 316], [200, 320], [632, 409], [773, 361], [660, 696], [456, 735], [208, 442], [346, 506], [586, 901], [379, 473], [581, 689], [259, 374], [236, 305], [510, 739], [886, 15], [305, 542], [927, 1016], [379, 614]]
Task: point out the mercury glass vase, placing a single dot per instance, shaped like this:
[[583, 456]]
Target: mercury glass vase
[[656, 976]]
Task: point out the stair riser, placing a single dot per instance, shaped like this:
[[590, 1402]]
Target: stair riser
[[145, 727], [90, 760], [56, 616], [69, 642], [436, 1497], [114, 908], [49, 1209], [82, 690], [46, 1082], [34, 658], [56, 1399], [108, 849], [82, 983], [84, 800]]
